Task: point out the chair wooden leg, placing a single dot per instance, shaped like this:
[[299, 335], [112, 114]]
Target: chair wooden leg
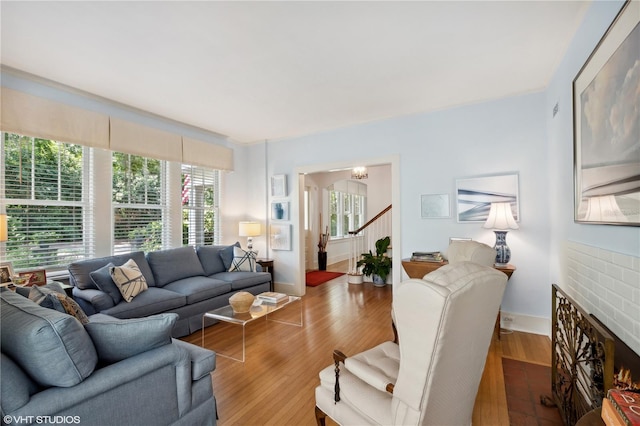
[[320, 417]]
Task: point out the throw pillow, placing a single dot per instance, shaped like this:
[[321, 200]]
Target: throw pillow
[[226, 254], [52, 299], [129, 280], [243, 260], [102, 279], [118, 339]]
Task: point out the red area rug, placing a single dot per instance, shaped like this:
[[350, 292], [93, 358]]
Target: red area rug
[[315, 278], [524, 384]]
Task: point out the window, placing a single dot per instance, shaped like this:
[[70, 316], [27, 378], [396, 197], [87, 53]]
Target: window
[[200, 201], [346, 207], [51, 192], [44, 199], [138, 203]]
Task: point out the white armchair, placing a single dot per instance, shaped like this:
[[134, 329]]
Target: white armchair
[[431, 377], [471, 251]]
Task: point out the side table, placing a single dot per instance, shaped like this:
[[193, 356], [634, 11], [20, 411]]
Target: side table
[[268, 265]]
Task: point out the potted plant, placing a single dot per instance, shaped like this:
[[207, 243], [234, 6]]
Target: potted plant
[[378, 265]]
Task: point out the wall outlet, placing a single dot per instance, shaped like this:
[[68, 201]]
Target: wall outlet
[[506, 318]]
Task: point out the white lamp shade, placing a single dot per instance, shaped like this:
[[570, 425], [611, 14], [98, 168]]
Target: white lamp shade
[[4, 233], [604, 209], [249, 229], [500, 217]]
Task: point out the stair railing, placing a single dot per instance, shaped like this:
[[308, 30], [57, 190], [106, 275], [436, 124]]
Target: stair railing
[[364, 239]]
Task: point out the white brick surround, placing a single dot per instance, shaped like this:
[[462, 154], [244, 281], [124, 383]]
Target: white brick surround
[[607, 285]]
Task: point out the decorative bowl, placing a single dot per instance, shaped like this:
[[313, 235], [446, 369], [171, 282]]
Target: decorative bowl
[[241, 302]]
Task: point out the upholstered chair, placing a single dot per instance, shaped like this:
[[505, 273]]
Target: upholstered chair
[[471, 251], [431, 377]]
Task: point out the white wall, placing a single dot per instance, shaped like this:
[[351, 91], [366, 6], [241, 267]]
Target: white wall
[[499, 137], [567, 237]]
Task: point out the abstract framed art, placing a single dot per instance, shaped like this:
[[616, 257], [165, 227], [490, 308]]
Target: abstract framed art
[[280, 237], [606, 126], [475, 195], [435, 206], [279, 186]]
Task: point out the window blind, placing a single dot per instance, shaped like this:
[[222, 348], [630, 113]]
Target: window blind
[[46, 203]]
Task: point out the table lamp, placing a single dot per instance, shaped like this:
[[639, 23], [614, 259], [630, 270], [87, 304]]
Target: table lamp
[[501, 221], [249, 230]]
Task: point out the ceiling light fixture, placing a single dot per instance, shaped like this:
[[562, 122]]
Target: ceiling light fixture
[[359, 173]]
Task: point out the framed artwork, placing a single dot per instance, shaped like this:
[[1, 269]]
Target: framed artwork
[[6, 272], [475, 195], [605, 126], [36, 277], [280, 210], [279, 186], [280, 237], [435, 206]]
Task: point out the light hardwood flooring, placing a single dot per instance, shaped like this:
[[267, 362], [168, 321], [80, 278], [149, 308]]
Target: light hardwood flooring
[[276, 384]]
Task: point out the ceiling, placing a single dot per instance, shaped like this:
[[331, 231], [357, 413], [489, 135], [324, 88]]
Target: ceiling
[[270, 70]]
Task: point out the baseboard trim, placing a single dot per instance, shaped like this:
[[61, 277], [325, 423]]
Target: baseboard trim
[[525, 323]]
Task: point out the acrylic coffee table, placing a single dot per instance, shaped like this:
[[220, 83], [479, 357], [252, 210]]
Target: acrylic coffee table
[[226, 314]]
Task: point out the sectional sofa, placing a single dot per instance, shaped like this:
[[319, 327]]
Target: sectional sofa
[[187, 281], [62, 367]]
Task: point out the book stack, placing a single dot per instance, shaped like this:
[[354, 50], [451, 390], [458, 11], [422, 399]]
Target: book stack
[[621, 408], [427, 256], [272, 297]]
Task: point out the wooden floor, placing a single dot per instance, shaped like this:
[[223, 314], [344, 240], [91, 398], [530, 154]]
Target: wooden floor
[[276, 384]]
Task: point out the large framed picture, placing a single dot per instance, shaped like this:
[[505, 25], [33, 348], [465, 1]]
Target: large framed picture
[[280, 237], [606, 126], [475, 195]]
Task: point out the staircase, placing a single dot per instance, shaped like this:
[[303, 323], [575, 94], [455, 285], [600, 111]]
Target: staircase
[[364, 239]]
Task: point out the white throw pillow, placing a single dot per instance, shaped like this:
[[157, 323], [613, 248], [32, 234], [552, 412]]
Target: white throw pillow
[[129, 280], [243, 260]]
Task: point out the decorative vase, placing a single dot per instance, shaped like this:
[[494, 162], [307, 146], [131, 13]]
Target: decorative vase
[[322, 260], [377, 280], [241, 302]]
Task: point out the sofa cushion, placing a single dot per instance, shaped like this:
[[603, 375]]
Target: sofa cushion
[[227, 255], [118, 339], [79, 272], [16, 386], [52, 299], [174, 264], [33, 336], [243, 260], [196, 289], [129, 280], [102, 279], [240, 280], [153, 301], [211, 258]]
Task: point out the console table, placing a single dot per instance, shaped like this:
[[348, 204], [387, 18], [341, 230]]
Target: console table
[[419, 269]]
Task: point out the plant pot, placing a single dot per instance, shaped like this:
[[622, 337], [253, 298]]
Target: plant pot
[[322, 260], [378, 281]]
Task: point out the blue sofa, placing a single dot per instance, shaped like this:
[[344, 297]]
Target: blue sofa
[[55, 370], [184, 280]]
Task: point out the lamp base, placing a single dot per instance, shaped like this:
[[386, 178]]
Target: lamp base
[[249, 243], [503, 252]]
